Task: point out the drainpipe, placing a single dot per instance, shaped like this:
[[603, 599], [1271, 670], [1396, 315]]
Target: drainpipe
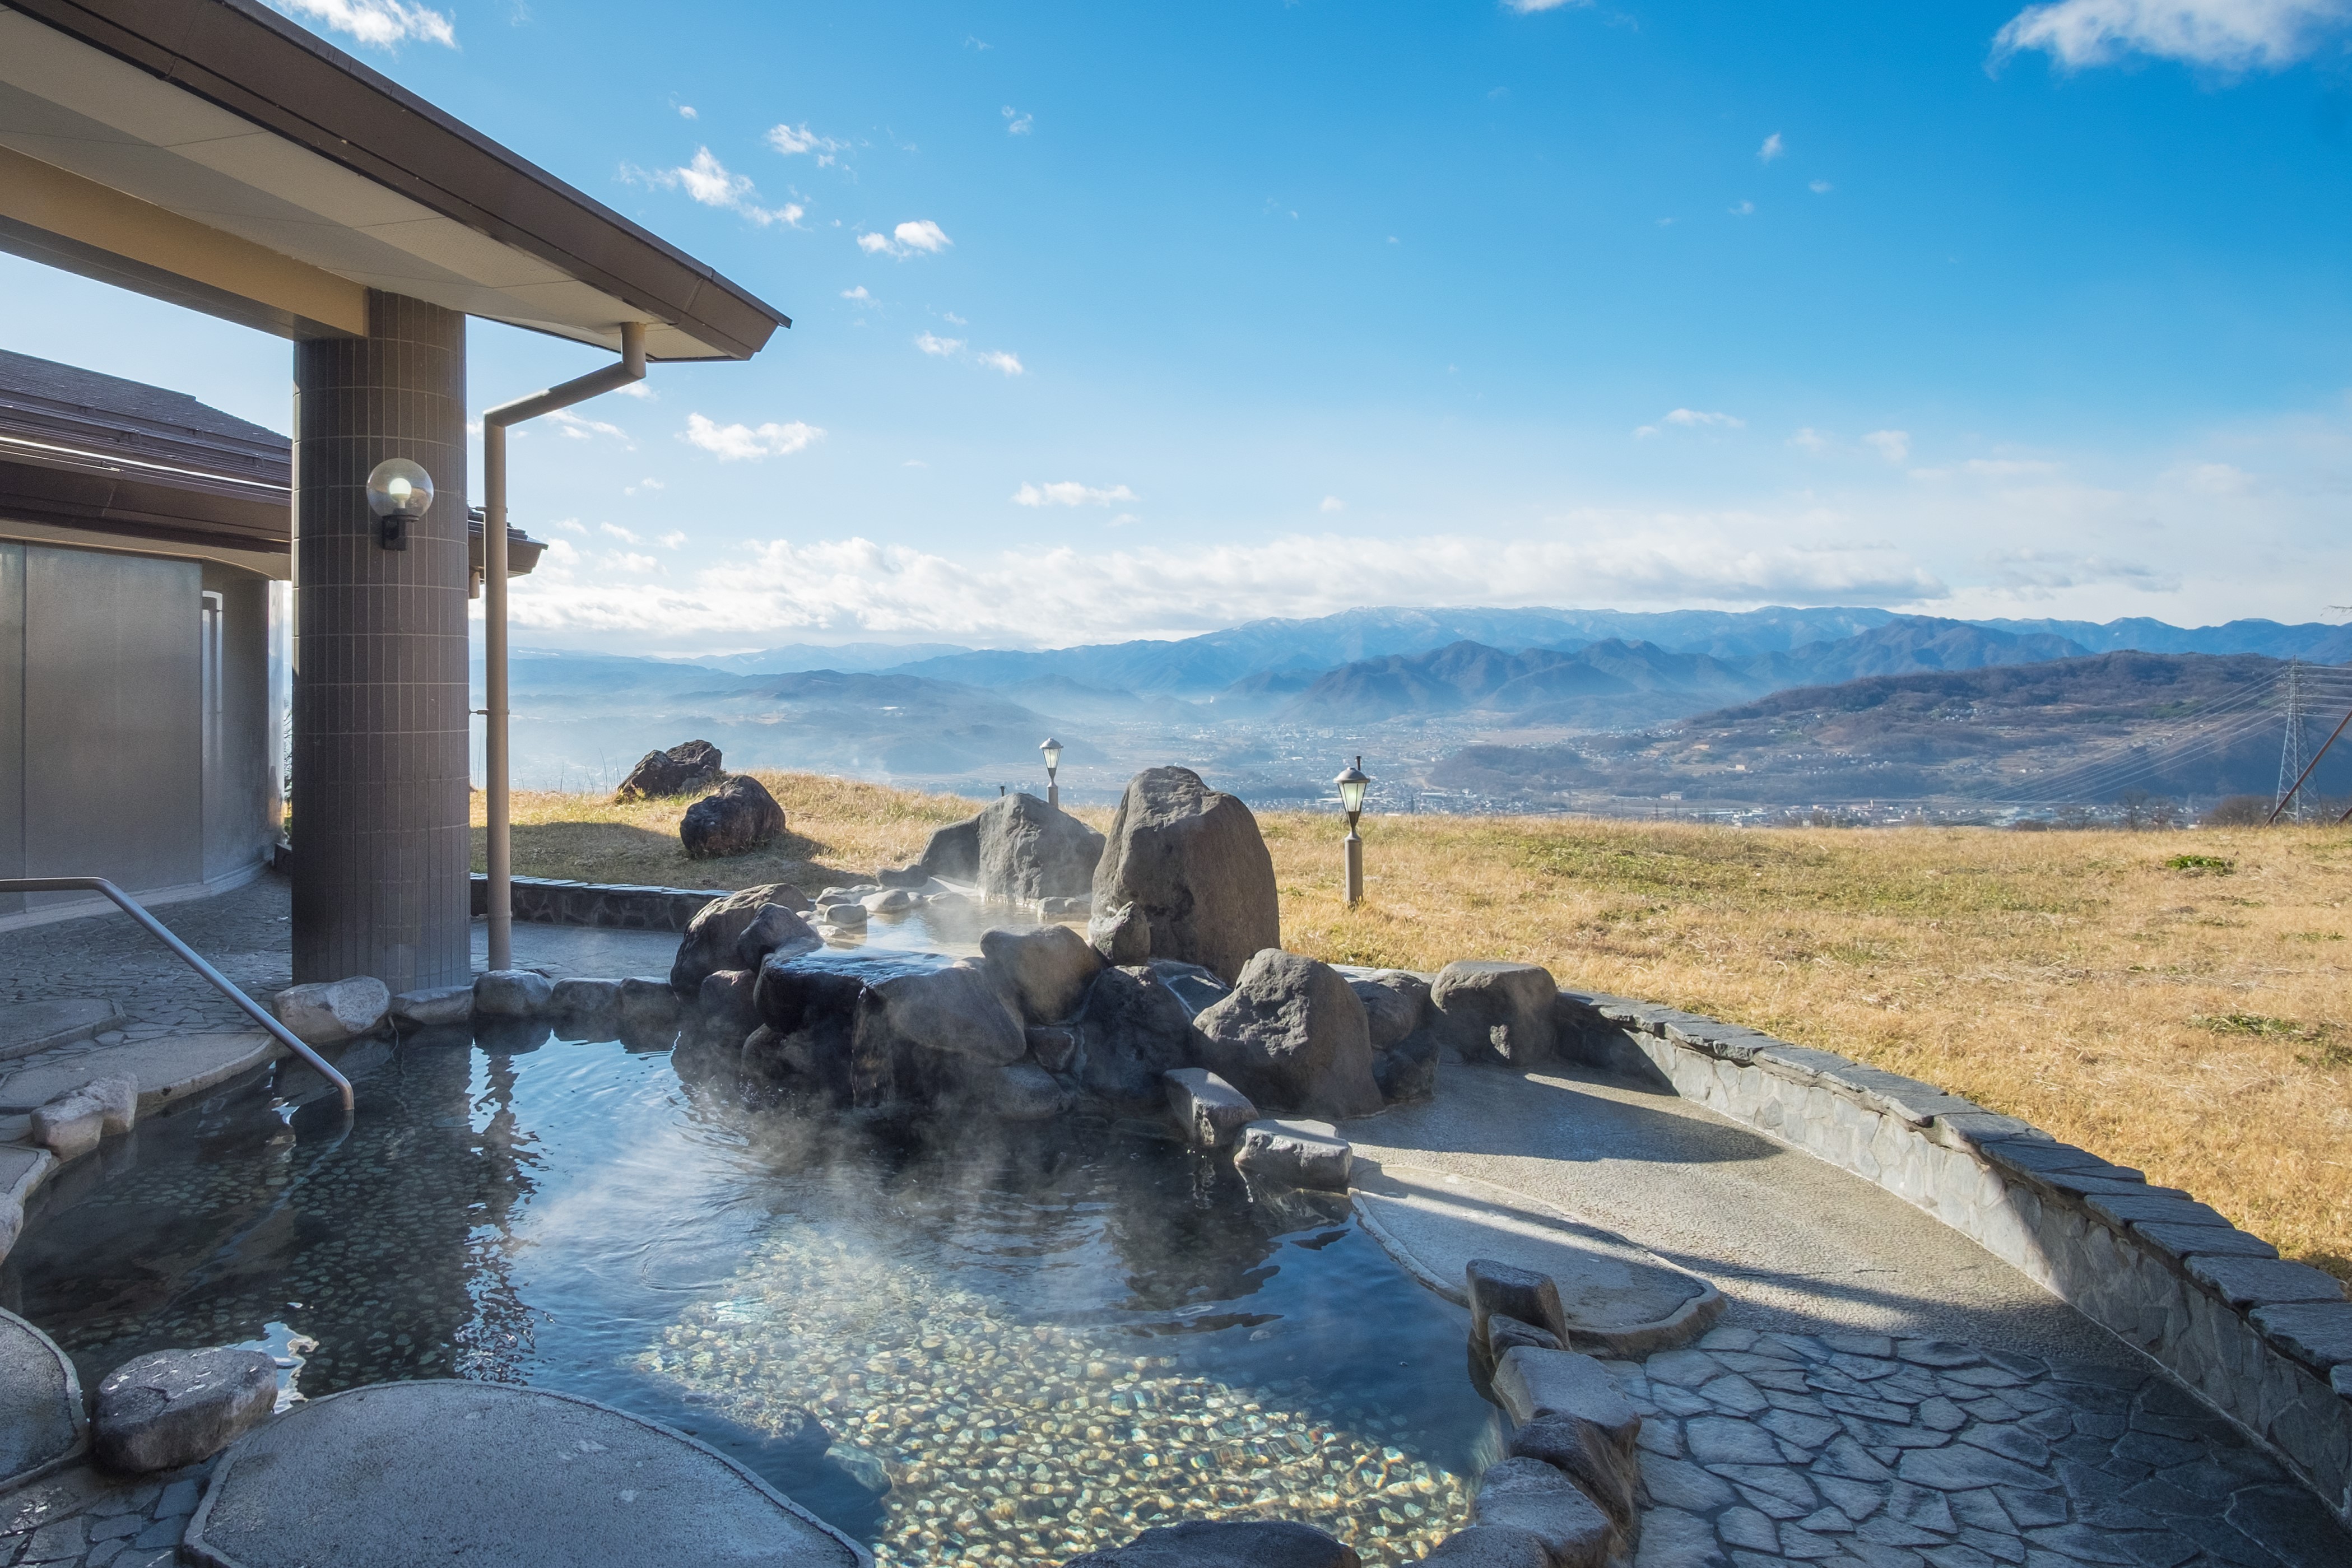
[[494, 420]]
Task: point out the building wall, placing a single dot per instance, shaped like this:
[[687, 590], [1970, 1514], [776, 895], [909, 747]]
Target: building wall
[[103, 720]]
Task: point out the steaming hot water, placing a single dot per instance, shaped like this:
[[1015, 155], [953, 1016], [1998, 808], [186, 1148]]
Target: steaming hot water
[[985, 1348]]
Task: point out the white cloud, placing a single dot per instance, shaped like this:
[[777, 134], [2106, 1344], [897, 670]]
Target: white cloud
[[672, 539], [1810, 440], [1070, 493], [1000, 360], [1773, 147], [783, 587], [581, 428], [620, 533], [1016, 124], [856, 293], [1527, 7], [709, 182], [1745, 209], [791, 140], [642, 484], [385, 24], [569, 525], [686, 111], [957, 320], [2233, 34], [1331, 504], [1693, 419], [932, 343], [1820, 187], [2038, 573], [640, 564], [2218, 479], [1894, 445], [733, 443], [638, 390], [907, 239]]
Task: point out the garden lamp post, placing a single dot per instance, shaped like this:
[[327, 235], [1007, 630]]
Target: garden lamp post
[[1053, 750], [1351, 785]]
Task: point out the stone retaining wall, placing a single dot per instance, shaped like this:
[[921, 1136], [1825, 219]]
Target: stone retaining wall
[[2166, 1274], [617, 906]]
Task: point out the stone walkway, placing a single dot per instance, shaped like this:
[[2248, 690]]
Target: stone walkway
[[1881, 1392], [84, 1518], [243, 933]]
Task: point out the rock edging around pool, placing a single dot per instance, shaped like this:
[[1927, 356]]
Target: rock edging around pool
[[2267, 1344]]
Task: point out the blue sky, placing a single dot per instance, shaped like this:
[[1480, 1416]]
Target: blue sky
[[1125, 320]]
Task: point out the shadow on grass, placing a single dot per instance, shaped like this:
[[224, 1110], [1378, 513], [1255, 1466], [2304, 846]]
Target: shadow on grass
[[619, 852]]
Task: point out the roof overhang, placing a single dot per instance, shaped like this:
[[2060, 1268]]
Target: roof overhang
[[213, 153]]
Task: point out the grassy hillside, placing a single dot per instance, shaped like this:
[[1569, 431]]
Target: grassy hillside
[[2177, 1001]]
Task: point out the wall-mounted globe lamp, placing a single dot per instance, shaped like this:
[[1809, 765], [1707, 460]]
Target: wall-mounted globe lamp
[[1351, 785], [1053, 750], [397, 491]]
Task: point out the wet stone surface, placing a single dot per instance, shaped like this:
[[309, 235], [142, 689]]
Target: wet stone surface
[[83, 1517], [243, 933], [1847, 1448]]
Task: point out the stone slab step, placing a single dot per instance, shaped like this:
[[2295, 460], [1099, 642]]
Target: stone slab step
[[41, 1421], [168, 1070], [1620, 1300], [469, 1473], [28, 1027]]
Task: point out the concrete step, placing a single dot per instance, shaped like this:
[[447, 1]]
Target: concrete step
[[168, 1070], [28, 1027], [400, 1473]]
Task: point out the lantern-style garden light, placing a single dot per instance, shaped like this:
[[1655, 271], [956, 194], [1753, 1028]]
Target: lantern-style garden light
[[398, 492], [1351, 785], [1053, 750]]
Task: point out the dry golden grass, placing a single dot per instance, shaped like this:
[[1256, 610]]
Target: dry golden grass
[[839, 830], [2190, 1021]]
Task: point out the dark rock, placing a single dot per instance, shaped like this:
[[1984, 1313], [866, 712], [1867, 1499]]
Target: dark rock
[[1409, 1071], [812, 1015], [715, 934], [1520, 1293], [953, 853], [1054, 1046], [952, 1012], [1225, 1544], [774, 928], [739, 815], [726, 1002], [1490, 1011], [1211, 1112], [687, 766], [1583, 1453], [1194, 986], [1047, 969], [1292, 1037], [512, 994], [1395, 1002], [1530, 1495], [177, 1407], [1295, 1153], [1024, 1091], [587, 1004], [1506, 1334], [1492, 1546], [651, 1012], [1029, 850], [1130, 1031], [1184, 874]]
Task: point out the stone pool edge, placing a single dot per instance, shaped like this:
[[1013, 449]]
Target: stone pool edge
[[2062, 1216]]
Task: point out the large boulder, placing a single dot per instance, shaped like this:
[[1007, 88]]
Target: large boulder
[[688, 766], [931, 1035], [178, 1408], [1292, 1036], [512, 994], [739, 815], [1049, 969], [328, 1012], [809, 1019], [1132, 1030], [715, 937], [1490, 1010], [953, 853], [1530, 1495], [1030, 851], [1184, 874], [1395, 1002]]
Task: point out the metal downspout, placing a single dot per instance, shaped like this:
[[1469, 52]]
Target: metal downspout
[[499, 857]]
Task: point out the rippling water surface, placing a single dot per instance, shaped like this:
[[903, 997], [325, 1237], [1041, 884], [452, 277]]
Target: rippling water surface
[[962, 1346]]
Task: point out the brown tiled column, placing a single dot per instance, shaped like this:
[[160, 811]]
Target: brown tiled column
[[380, 721]]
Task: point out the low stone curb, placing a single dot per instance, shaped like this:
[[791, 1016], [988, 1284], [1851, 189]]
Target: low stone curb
[[616, 906], [2139, 1261]]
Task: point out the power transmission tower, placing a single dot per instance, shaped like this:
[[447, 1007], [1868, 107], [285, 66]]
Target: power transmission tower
[[2291, 749]]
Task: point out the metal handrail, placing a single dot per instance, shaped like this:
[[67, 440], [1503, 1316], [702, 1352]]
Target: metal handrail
[[220, 982]]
